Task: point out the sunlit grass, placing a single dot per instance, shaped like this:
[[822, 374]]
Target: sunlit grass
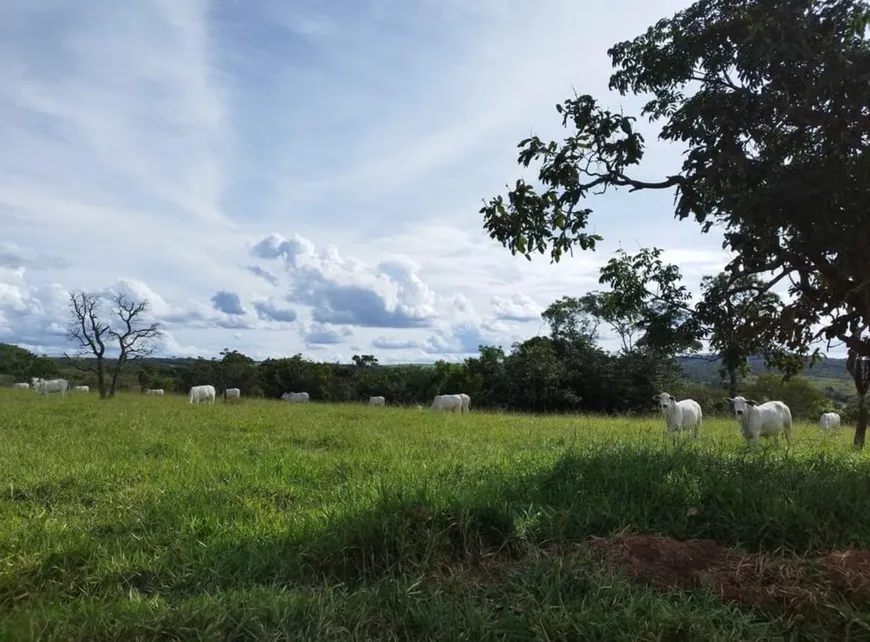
[[147, 518]]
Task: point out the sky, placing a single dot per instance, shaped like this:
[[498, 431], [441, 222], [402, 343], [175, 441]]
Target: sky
[[282, 177]]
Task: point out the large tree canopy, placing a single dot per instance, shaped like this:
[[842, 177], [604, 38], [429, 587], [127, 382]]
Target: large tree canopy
[[771, 101]]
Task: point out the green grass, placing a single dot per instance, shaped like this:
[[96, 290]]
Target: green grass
[[148, 519]]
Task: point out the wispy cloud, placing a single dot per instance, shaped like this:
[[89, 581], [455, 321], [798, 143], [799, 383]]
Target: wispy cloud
[[309, 171]]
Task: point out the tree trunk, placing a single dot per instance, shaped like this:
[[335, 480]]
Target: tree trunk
[[115, 374], [859, 368], [861, 427], [732, 382], [101, 378]]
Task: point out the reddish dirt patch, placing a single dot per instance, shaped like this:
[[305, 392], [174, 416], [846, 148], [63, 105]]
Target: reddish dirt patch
[[849, 573], [753, 579]]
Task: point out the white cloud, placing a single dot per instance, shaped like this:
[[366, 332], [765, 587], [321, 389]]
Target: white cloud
[[518, 307], [150, 148], [318, 335], [346, 292]]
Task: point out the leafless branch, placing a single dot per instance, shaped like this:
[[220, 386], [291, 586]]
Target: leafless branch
[[85, 328], [134, 342]]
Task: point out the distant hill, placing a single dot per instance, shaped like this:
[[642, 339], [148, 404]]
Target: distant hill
[[705, 369]]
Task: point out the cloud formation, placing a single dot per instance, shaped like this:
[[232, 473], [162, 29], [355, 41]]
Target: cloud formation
[[345, 291], [151, 148], [228, 303], [518, 307]]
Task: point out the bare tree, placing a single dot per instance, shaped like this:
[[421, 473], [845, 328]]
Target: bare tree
[[89, 335], [135, 338]]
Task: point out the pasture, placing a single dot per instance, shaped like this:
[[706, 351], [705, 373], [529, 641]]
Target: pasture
[[144, 518]]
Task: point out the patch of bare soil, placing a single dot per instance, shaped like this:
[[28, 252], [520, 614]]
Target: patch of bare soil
[[782, 582]]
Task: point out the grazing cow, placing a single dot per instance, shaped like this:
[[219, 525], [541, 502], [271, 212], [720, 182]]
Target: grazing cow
[[419, 407], [829, 421], [680, 415], [466, 401], [84, 389], [762, 420], [43, 386], [21, 386], [201, 393], [295, 397], [232, 393], [449, 403], [154, 392], [377, 401]]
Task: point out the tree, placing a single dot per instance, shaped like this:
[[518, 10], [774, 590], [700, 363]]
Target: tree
[[650, 292], [570, 321], [364, 361], [130, 335], [738, 318], [89, 334], [21, 364], [608, 307], [536, 376], [771, 100], [238, 370]]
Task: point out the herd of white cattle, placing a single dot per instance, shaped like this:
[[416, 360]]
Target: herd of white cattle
[[44, 386], [460, 402], [451, 403], [756, 420], [769, 419]]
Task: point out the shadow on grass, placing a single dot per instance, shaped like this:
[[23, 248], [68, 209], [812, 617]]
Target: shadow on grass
[[755, 501]]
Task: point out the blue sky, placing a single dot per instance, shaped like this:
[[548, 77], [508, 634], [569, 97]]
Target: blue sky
[[279, 177]]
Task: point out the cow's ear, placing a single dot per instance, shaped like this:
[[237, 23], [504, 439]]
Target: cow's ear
[[672, 398], [752, 402], [729, 399]]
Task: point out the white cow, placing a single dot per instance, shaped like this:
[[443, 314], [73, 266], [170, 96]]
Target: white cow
[[762, 420], [449, 403], [680, 416], [419, 407], [154, 392], [43, 386], [201, 393], [232, 393], [84, 389], [466, 401], [377, 401], [829, 421], [296, 397], [21, 386]]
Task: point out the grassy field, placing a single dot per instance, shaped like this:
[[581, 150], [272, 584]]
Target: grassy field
[[148, 519]]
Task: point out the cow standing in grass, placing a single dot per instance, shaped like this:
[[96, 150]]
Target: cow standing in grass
[[201, 393], [680, 416], [43, 386], [829, 421], [295, 397], [448, 403], [762, 420]]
